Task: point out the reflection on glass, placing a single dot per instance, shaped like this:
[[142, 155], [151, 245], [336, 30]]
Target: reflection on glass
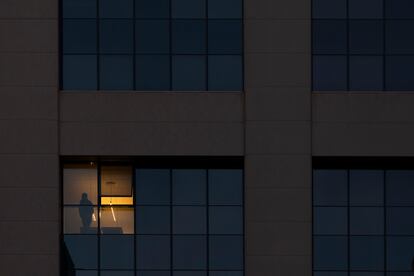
[[80, 252], [117, 220], [75, 224], [117, 252], [78, 180]]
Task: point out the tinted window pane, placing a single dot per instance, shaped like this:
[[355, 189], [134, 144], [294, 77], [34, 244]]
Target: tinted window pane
[[79, 36], [188, 36], [226, 252], [366, 36], [225, 220], [225, 8], [400, 221], [152, 72], [330, 253], [329, 73], [116, 72], [330, 187], [153, 273], [367, 253], [79, 180], [153, 186], [152, 36], [189, 187], [366, 73], [80, 220], [400, 252], [226, 273], [153, 252], [329, 36], [79, 8], [225, 37], [399, 40], [368, 274], [366, 187], [116, 36], [117, 252], [367, 221], [80, 251], [330, 273], [398, 73], [116, 8], [225, 73], [81, 273], [400, 188], [189, 73], [225, 187], [153, 219], [399, 8], [188, 8], [189, 220], [190, 273], [79, 72], [329, 8], [117, 273], [365, 8], [330, 221], [189, 252], [152, 8]]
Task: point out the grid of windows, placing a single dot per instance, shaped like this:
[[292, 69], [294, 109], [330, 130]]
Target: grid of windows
[[363, 222], [133, 221], [180, 45], [363, 45]]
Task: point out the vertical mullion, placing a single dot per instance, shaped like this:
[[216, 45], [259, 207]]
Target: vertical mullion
[[98, 21], [206, 20], [348, 58], [170, 40]]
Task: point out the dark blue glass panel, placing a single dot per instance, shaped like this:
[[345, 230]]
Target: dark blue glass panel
[[189, 220], [225, 220], [116, 8], [400, 188], [330, 253], [399, 8], [225, 37], [116, 36], [366, 37], [330, 221], [79, 36], [153, 252], [225, 252], [189, 73], [152, 36], [329, 8], [330, 273], [81, 273], [366, 187], [188, 8], [399, 273], [367, 253], [190, 273], [329, 73], [400, 253], [330, 187], [116, 72], [152, 186], [117, 252], [188, 36], [153, 273], [189, 187], [364, 9], [399, 73], [329, 37], [399, 39], [368, 274], [117, 273], [367, 221], [225, 273], [189, 252], [366, 73], [152, 219], [225, 73], [80, 252], [152, 72], [79, 8], [400, 221], [152, 8], [225, 9], [79, 72], [225, 187]]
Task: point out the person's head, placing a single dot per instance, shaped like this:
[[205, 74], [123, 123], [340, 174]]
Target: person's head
[[84, 196]]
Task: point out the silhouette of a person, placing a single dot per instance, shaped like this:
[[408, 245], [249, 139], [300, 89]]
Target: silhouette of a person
[[85, 211]]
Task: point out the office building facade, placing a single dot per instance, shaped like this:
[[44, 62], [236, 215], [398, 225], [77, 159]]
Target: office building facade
[[206, 137]]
